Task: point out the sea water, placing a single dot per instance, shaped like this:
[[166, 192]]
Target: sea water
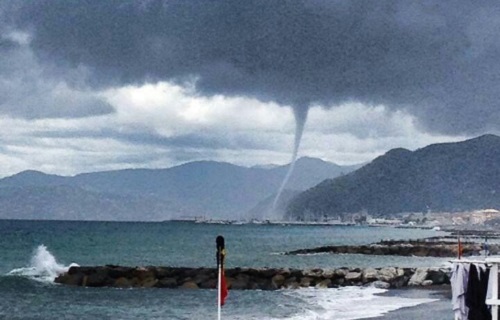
[[34, 252]]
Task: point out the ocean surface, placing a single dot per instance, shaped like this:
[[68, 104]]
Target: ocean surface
[[32, 253]]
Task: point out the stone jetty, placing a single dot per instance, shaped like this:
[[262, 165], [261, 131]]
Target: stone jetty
[[251, 278], [419, 248]]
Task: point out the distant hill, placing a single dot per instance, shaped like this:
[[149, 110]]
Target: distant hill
[[73, 203], [203, 188], [441, 177]]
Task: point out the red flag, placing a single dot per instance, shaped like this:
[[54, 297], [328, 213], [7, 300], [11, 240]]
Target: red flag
[[223, 289], [221, 254]]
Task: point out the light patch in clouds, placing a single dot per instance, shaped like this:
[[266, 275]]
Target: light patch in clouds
[[161, 125], [33, 145], [19, 37], [362, 121], [356, 133], [171, 110]]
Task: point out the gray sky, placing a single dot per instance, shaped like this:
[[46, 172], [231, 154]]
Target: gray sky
[[98, 85]]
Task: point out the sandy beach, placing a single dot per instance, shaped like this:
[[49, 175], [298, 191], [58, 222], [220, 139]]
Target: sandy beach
[[437, 310]]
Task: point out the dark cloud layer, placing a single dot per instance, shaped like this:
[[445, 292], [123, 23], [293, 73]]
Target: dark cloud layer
[[30, 92], [435, 59]]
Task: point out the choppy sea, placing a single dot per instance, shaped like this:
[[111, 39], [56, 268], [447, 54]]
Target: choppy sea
[[33, 252]]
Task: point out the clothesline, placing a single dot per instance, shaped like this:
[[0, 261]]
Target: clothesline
[[470, 261], [488, 261]]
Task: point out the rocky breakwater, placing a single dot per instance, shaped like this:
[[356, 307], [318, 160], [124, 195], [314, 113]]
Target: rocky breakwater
[[420, 248], [251, 278]]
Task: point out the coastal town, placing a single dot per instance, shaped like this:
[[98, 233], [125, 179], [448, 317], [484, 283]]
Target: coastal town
[[486, 218], [475, 219]]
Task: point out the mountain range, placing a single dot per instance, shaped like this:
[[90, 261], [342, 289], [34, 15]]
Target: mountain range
[[447, 177], [197, 189]]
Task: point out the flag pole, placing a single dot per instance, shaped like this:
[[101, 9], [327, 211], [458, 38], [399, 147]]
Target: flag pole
[[220, 260], [219, 281]]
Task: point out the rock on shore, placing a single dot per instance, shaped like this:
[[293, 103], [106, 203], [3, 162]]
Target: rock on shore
[[251, 278]]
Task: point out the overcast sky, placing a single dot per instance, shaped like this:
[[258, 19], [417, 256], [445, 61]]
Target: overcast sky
[[99, 85]]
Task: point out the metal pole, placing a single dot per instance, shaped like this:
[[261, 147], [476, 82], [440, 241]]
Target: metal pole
[[219, 282], [220, 263], [494, 302]]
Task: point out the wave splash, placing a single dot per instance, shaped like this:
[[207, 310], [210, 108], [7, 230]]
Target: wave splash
[[43, 266], [343, 303]]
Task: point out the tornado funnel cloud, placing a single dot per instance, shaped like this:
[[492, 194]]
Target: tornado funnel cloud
[[300, 114]]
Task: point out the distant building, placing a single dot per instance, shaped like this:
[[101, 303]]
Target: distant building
[[383, 221]]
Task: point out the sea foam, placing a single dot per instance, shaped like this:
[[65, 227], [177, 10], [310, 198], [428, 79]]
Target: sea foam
[[43, 266], [349, 303]]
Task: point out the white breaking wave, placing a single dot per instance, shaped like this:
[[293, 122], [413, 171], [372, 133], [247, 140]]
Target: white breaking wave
[[43, 266], [349, 303]]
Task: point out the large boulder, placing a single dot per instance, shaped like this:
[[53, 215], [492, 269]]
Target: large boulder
[[438, 276], [167, 283], [418, 277], [369, 275], [74, 279], [387, 274], [353, 276], [143, 273], [241, 282], [313, 273], [278, 280], [284, 272], [342, 272], [329, 274], [306, 282], [189, 285], [380, 284], [291, 283], [324, 284], [98, 279], [148, 282], [426, 283], [118, 272], [123, 282]]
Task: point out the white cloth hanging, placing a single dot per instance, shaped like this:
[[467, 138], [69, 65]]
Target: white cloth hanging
[[459, 279]]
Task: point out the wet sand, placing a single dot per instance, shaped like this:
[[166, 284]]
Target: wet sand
[[437, 310]]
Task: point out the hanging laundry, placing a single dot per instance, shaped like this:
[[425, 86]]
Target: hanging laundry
[[459, 280], [475, 295]]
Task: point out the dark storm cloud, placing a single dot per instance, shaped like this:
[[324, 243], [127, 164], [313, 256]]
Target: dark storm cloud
[[22, 98], [435, 59], [7, 45], [31, 91]]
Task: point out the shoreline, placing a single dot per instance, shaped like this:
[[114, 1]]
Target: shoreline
[[441, 309]]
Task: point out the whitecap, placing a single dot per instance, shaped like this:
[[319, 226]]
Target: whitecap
[[43, 266], [349, 303]]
